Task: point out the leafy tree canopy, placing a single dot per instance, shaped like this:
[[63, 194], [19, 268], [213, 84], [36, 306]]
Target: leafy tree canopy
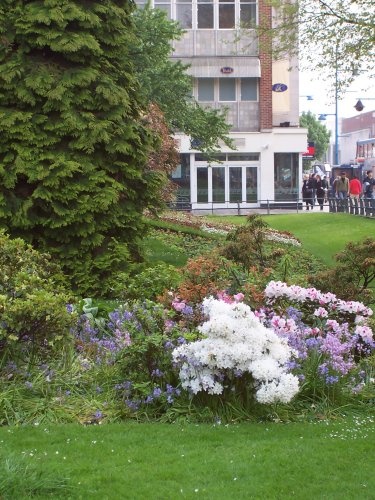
[[328, 34], [167, 83], [316, 133]]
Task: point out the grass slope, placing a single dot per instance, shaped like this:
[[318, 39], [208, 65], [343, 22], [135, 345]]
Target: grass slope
[[321, 234]]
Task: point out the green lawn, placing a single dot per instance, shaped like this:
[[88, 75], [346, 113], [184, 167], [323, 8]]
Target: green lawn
[[322, 234], [332, 460]]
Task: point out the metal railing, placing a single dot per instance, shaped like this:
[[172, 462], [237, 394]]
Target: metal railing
[[364, 207]]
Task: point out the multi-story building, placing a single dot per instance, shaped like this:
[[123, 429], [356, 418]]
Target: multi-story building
[[356, 128], [231, 71]]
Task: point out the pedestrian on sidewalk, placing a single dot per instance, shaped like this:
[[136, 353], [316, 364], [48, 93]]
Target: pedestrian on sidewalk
[[355, 188]]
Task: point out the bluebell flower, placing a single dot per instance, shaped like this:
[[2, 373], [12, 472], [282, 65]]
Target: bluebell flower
[[157, 392], [133, 405], [168, 345], [332, 379]]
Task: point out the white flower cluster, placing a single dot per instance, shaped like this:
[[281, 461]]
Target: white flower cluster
[[235, 340], [215, 230], [282, 238]]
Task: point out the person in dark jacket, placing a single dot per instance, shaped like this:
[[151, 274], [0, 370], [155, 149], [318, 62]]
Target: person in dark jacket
[[308, 192], [319, 191], [325, 186], [368, 185]]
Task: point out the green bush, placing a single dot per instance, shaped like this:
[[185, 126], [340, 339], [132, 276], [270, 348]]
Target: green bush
[[145, 282], [33, 302]]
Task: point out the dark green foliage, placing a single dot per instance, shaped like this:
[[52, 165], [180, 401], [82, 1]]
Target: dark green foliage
[[247, 244], [72, 143], [316, 133], [354, 273], [145, 282], [33, 302]]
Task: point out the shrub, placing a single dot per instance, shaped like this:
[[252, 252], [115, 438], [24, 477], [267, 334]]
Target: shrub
[[33, 302], [206, 275], [137, 338], [236, 351], [145, 282], [330, 337], [353, 274]]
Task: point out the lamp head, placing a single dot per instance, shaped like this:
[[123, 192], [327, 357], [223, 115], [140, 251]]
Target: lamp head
[[359, 106]]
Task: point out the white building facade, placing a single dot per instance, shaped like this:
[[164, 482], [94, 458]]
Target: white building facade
[[261, 98]]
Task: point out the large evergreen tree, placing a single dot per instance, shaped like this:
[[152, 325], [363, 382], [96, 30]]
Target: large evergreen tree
[[73, 148]]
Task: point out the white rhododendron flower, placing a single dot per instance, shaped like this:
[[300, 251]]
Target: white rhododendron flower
[[236, 340]]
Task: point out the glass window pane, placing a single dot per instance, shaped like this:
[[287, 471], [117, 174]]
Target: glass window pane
[[184, 15], [226, 16], [165, 7], [286, 176], [205, 16], [202, 185], [249, 89], [218, 157], [181, 177], [227, 89], [251, 185], [248, 13], [243, 157], [235, 184], [206, 89], [218, 184]]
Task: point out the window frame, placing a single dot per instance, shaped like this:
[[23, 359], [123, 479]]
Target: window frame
[[218, 6], [216, 89]]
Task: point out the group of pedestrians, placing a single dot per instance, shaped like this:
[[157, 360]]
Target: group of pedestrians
[[316, 188]]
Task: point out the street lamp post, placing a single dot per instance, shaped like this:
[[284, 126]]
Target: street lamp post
[[336, 118], [323, 116]]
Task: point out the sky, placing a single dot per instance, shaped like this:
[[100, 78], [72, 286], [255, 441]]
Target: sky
[[324, 100]]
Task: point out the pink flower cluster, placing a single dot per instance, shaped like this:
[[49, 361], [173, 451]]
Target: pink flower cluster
[[278, 289], [310, 329]]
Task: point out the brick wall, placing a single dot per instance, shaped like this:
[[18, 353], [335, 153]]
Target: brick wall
[[265, 90]]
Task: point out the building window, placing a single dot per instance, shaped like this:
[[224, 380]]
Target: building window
[[226, 89], [205, 14], [208, 14], [202, 185], [248, 13], [251, 185], [235, 184], [286, 176], [184, 13], [218, 184], [206, 89], [164, 5], [181, 177], [226, 14], [249, 89]]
